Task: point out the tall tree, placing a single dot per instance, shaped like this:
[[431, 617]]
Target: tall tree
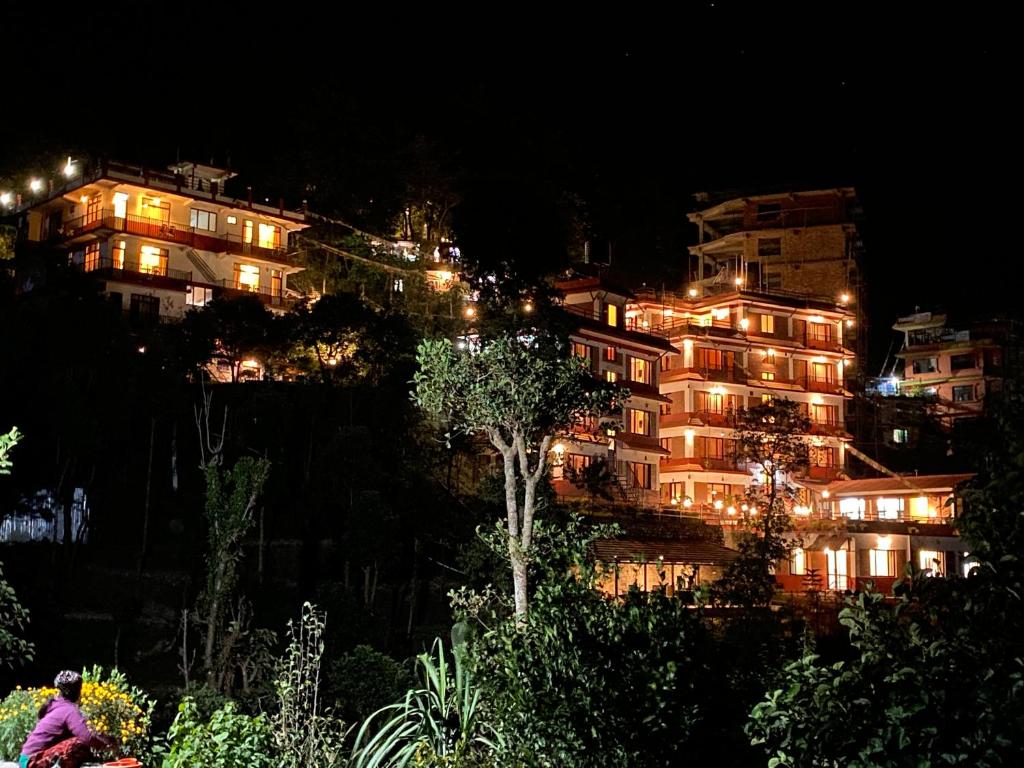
[[13, 617], [519, 391]]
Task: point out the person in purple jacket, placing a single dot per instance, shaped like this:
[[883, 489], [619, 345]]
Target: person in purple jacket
[[61, 733]]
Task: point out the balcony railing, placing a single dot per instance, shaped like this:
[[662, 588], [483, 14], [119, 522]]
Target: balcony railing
[[106, 221], [134, 270], [828, 343], [826, 386]]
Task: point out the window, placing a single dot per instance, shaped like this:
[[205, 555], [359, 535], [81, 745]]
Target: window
[[710, 402], [144, 309], [232, 219], [798, 563], [835, 567], [613, 315], [919, 507], [768, 212], [92, 257], [94, 208], [960, 362], [156, 209], [580, 350], [889, 509], [852, 508], [715, 490], [152, 260], [773, 281], [769, 357], [247, 231], [270, 236], [609, 353], [578, 461], [930, 559], [611, 376], [900, 436], [641, 473], [881, 562], [767, 399], [963, 394], [824, 414], [247, 277], [277, 283], [713, 447], [769, 246], [117, 254], [712, 358], [639, 422], [705, 320], [397, 286], [676, 491], [926, 365], [198, 295], [768, 324], [640, 370], [120, 205], [822, 456], [200, 219], [767, 375]]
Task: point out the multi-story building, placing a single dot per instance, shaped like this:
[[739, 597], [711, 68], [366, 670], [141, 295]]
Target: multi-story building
[[618, 351], [855, 531], [955, 368], [164, 241], [731, 351]]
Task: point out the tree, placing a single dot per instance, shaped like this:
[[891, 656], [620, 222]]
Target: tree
[[520, 392], [771, 438], [231, 330], [13, 617]]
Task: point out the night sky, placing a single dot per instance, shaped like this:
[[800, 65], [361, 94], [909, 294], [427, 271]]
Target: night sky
[[630, 114]]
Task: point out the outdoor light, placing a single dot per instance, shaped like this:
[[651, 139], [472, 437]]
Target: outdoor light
[[753, 511], [718, 504], [844, 298], [744, 507], [559, 449], [445, 275], [738, 281], [83, 199], [5, 198], [332, 361], [687, 502], [731, 510], [689, 433], [35, 185], [528, 306], [469, 311], [883, 542], [849, 322], [668, 312], [69, 169], [693, 292], [675, 501], [744, 323], [825, 494], [142, 350], [817, 319]]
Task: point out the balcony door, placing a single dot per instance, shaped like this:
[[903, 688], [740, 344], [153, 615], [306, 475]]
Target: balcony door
[[835, 564]]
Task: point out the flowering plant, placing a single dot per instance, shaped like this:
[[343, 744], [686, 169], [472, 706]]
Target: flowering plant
[[111, 707]]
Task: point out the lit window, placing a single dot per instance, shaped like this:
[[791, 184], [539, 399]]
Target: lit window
[[767, 323], [640, 370], [767, 399], [919, 507], [769, 357], [964, 394], [611, 376], [247, 277], [156, 209], [798, 563], [881, 562], [277, 283], [200, 219], [889, 509], [900, 436], [247, 231], [120, 205], [580, 350], [613, 316], [117, 254], [704, 320], [852, 508], [767, 375], [270, 236], [198, 295], [609, 353], [930, 559], [232, 219], [92, 257], [639, 422], [152, 260], [399, 285]]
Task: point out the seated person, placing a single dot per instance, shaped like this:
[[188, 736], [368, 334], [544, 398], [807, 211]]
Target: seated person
[[61, 733]]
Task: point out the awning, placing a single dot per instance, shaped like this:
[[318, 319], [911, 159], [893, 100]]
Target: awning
[[828, 541], [691, 551]]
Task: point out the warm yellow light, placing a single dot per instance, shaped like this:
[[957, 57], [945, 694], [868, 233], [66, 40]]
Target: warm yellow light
[[142, 350], [883, 542], [35, 185], [692, 292], [718, 504], [768, 353], [668, 312], [817, 319], [744, 323], [718, 390], [828, 550], [687, 343], [675, 501], [69, 169], [844, 298], [816, 400], [332, 361], [819, 359], [825, 494], [753, 511], [738, 281], [528, 307], [5, 198], [559, 449], [445, 275], [744, 507], [731, 510], [83, 199], [687, 502], [849, 322], [250, 363], [469, 311], [720, 314], [155, 201], [689, 433]]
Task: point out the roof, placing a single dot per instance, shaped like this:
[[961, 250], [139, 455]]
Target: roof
[[692, 551], [911, 483]]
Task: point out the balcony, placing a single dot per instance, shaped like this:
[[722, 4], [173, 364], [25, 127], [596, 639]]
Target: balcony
[[826, 343], [826, 429], [825, 386], [823, 473], [134, 272], [704, 463], [106, 223]]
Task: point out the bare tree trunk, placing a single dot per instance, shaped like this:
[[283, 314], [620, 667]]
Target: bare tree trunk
[[145, 506]]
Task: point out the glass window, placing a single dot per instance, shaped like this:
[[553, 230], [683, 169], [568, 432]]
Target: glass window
[[247, 277], [120, 205], [919, 507], [639, 422], [609, 353], [963, 394], [92, 257], [270, 236], [767, 375], [889, 508], [198, 295], [613, 316], [640, 370], [767, 323], [900, 436], [960, 362], [152, 260], [611, 376], [247, 228], [200, 219], [926, 365], [798, 562], [930, 559], [117, 254], [852, 508], [881, 562], [581, 350], [232, 219], [769, 246], [156, 209]]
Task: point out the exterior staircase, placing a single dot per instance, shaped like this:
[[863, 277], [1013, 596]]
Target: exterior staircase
[[630, 492]]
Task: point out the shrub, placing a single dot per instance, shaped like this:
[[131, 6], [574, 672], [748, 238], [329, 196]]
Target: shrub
[[363, 680], [228, 739]]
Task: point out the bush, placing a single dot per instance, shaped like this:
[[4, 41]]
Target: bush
[[228, 739], [109, 704], [364, 680]]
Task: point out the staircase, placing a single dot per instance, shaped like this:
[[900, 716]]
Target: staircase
[[201, 266], [630, 492]]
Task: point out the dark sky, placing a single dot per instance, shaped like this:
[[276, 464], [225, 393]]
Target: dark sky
[[632, 111]]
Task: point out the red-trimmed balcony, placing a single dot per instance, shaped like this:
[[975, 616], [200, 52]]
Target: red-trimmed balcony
[[106, 223], [825, 386], [134, 272]]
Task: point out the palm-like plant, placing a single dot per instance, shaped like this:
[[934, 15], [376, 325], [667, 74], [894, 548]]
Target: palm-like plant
[[443, 717]]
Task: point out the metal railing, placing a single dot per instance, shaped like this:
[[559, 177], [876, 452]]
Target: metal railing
[[133, 269]]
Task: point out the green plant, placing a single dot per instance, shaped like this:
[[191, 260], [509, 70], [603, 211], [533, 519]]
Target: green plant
[[8, 441], [227, 739], [441, 723], [363, 680], [305, 733], [17, 719]]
